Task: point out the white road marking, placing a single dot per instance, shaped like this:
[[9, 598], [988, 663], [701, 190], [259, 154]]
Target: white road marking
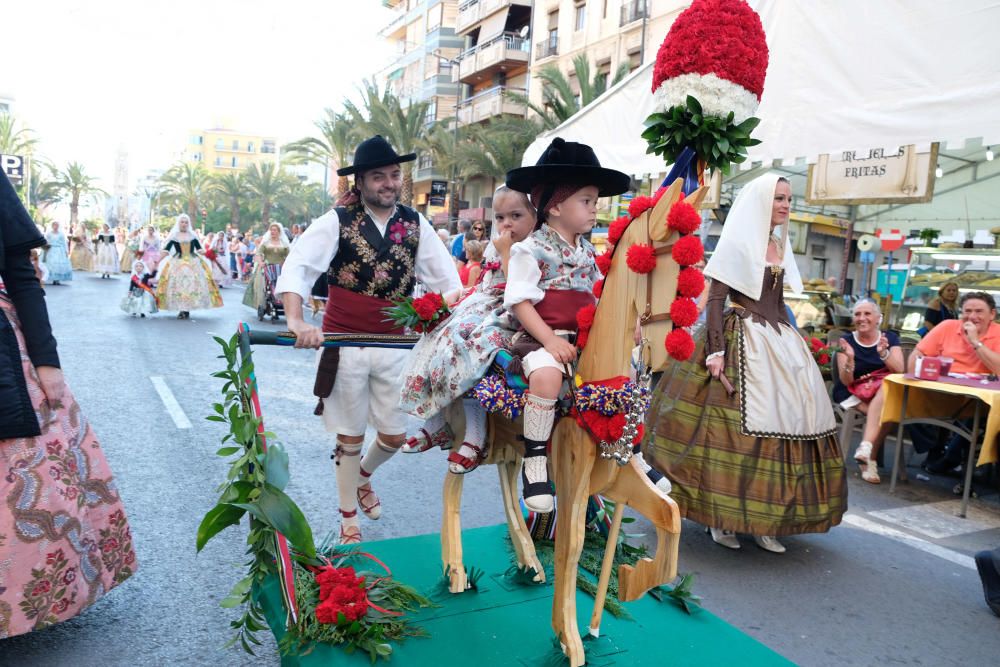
[[940, 520], [174, 408], [909, 540]]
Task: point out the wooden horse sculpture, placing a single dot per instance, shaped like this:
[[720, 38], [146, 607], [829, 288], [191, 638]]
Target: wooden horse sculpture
[[576, 467]]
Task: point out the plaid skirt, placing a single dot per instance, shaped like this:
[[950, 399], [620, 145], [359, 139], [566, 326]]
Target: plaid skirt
[[725, 479]]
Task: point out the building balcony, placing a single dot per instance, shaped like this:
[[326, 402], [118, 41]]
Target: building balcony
[[503, 52], [490, 104], [633, 11], [547, 48], [471, 12]]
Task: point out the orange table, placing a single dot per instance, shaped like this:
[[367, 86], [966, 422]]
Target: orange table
[[939, 403]]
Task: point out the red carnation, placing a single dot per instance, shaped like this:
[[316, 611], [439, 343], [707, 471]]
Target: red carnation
[[641, 258], [604, 261], [824, 359], [683, 218], [688, 250], [435, 299], [639, 205], [581, 339], [424, 307], [599, 288], [679, 344], [683, 312], [585, 317], [616, 425], [617, 228], [690, 283], [714, 49]]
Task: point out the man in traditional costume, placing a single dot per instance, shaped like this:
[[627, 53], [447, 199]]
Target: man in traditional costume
[[372, 250]]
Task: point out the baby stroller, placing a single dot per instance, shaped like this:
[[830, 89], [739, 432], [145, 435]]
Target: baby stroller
[[272, 306]]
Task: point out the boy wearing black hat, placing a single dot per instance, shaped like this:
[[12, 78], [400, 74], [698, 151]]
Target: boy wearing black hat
[[372, 250], [551, 277]]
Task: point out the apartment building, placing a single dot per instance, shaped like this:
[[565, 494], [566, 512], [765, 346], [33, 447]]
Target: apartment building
[[423, 32], [222, 150]]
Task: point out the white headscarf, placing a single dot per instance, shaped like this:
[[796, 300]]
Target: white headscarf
[[739, 258], [175, 231], [141, 271], [282, 239]]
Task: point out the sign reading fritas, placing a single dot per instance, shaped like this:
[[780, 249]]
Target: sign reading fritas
[[875, 176]]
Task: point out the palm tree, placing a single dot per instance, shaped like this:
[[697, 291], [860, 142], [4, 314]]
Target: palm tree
[[267, 184], [401, 124], [185, 186], [494, 149], [15, 140], [559, 102], [231, 189], [72, 184], [338, 136], [43, 189]]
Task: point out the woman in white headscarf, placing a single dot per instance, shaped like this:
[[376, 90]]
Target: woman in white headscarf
[[270, 255], [185, 277], [745, 429]]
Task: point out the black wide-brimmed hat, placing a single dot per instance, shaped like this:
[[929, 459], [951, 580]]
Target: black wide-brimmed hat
[[568, 163], [372, 154]]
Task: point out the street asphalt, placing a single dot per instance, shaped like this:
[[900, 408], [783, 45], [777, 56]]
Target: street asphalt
[[891, 585]]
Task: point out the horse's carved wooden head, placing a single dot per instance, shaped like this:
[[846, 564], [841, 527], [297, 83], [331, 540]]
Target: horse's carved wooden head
[[628, 296]]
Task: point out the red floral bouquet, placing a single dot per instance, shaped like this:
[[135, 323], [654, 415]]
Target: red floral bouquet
[[820, 351], [421, 314]]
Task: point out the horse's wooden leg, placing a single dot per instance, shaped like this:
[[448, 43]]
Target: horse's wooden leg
[[605, 578], [519, 537], [451, 534], [631, 486], [572, 461]]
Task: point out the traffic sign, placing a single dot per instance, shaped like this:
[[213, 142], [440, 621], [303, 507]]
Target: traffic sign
[[891, 240], [13, 166]]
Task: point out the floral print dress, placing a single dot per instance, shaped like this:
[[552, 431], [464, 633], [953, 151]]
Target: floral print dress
[[451, 359], [64, 538]]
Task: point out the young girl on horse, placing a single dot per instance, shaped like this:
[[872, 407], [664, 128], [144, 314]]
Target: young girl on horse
[[551, 277], [450, 360]]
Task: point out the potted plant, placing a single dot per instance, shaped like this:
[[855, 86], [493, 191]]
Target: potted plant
[[929, 235]]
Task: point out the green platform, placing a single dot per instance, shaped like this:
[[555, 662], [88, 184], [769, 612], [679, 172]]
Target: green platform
[[507, 624]]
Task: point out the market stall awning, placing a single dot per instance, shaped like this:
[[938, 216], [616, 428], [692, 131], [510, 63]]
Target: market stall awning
[[843, 75]]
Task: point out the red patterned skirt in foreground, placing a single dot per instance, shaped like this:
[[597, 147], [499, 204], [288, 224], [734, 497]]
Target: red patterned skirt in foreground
[[64, 538]]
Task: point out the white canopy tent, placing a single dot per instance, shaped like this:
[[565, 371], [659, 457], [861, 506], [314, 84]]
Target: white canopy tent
[[845, 75]]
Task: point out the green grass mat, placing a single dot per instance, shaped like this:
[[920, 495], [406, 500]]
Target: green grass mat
[[506, 624]]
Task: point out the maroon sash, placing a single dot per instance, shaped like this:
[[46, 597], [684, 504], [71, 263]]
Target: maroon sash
[[350, 312], [559, 307]]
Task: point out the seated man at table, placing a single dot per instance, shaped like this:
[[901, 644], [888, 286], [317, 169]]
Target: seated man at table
[[973, 341]]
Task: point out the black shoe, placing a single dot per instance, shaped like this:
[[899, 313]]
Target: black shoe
[[947, 464], [988, 564]]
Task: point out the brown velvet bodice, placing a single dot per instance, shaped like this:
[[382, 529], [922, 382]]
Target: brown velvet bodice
[[769, 309]]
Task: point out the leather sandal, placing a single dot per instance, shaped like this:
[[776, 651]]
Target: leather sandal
[[353, 537], [442, 438], [369, 502], [460, 465]]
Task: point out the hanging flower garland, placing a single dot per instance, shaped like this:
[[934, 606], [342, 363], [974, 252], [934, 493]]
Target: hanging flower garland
[[641, 258]]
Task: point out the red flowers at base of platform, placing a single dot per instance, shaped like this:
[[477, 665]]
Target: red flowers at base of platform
[[341, 593]]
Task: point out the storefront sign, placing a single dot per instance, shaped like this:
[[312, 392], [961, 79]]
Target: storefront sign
[[13, 166], [819, 224], [439, 190], [875, 176]]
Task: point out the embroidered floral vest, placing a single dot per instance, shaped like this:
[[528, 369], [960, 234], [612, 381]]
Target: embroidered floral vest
[[371, 264]]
